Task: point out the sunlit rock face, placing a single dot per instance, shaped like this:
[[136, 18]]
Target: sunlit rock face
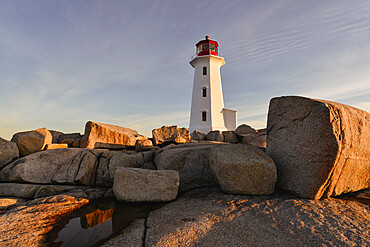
[[99, 135], [27, 225], [8, 152], [29, 142], [170, 134], [321, 148]]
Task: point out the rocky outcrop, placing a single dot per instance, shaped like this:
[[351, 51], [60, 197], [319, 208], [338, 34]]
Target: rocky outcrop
[[215, 135], [191, 161], [8, 152], [72, 166], [208, 217], [243, 169], [230, 137], [27, 225], [140, 185], [99, 135], [170, 134], [258, 140], [244, 129], [321, 148], [29, 142], [198, 135]]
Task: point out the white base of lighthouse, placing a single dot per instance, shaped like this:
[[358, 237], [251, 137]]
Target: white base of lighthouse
[[207, 106]]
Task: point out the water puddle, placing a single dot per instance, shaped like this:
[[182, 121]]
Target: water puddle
[[97, 222]]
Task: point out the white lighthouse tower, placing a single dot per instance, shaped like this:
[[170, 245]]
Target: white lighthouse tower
[[207, 105]]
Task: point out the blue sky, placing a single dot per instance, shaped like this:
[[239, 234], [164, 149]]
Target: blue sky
[[63, 63]]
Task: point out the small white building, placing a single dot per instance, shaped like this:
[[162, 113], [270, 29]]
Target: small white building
[[207, 105]]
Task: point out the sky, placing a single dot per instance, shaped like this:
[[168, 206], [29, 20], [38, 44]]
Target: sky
[[63, 63]]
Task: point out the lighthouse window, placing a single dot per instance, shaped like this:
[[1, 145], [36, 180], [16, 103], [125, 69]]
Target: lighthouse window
[[204, 70], [205, 47], [204, 92], [204, 116], [212, 47]]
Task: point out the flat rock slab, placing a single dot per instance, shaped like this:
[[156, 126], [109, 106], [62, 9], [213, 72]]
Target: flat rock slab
[[141, 185], [28, 224], [208, 217], [55, 146], [320, 148], [243, 169]]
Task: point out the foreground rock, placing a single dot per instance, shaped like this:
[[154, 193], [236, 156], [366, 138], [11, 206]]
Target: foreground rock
[[190, 160], [243, 169], [320, 148], [8, 152], [140, 185], [33, 141], [27, 225], [73, 166], [131, 236], [171, 134], [208, 217], [99, 135]]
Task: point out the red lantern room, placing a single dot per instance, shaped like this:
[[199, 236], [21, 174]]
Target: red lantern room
[[207, 47]]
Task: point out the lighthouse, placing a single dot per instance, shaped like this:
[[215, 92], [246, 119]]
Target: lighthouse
[[207, 104]]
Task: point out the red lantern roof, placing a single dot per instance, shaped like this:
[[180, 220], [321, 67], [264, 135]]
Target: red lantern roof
[[207, 47]]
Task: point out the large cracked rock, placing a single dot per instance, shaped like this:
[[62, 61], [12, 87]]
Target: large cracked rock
[[320, 148], [8, 152], [208, 217], [73, 166], [99, 135], [190, 160], [29, 142]]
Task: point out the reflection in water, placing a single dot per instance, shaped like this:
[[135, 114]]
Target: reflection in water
[[97, 222], [95, 218]]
